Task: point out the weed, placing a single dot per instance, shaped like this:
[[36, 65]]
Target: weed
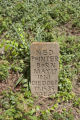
[[4, 70]]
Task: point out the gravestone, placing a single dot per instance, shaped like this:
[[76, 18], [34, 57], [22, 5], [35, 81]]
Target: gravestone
[[44, 59]]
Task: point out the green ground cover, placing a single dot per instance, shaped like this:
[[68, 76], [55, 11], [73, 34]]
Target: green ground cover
[[21, 23]]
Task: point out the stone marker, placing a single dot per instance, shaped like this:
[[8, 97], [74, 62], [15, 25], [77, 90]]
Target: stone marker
[[44, 58]]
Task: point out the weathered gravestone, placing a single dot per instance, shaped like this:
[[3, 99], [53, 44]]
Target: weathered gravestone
[[44, 58]]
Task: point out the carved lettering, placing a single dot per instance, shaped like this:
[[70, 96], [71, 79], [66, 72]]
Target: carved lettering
[[38, 52], [45, 58], [44, 68]]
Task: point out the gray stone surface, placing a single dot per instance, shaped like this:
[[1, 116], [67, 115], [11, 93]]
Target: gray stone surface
[[44, 59]]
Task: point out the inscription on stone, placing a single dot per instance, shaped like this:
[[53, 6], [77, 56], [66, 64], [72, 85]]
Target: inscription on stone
[[44, 58]]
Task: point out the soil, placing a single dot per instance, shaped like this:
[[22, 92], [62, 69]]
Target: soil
[[9, 83], [43, 102], [47, 103], [68, 29]]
